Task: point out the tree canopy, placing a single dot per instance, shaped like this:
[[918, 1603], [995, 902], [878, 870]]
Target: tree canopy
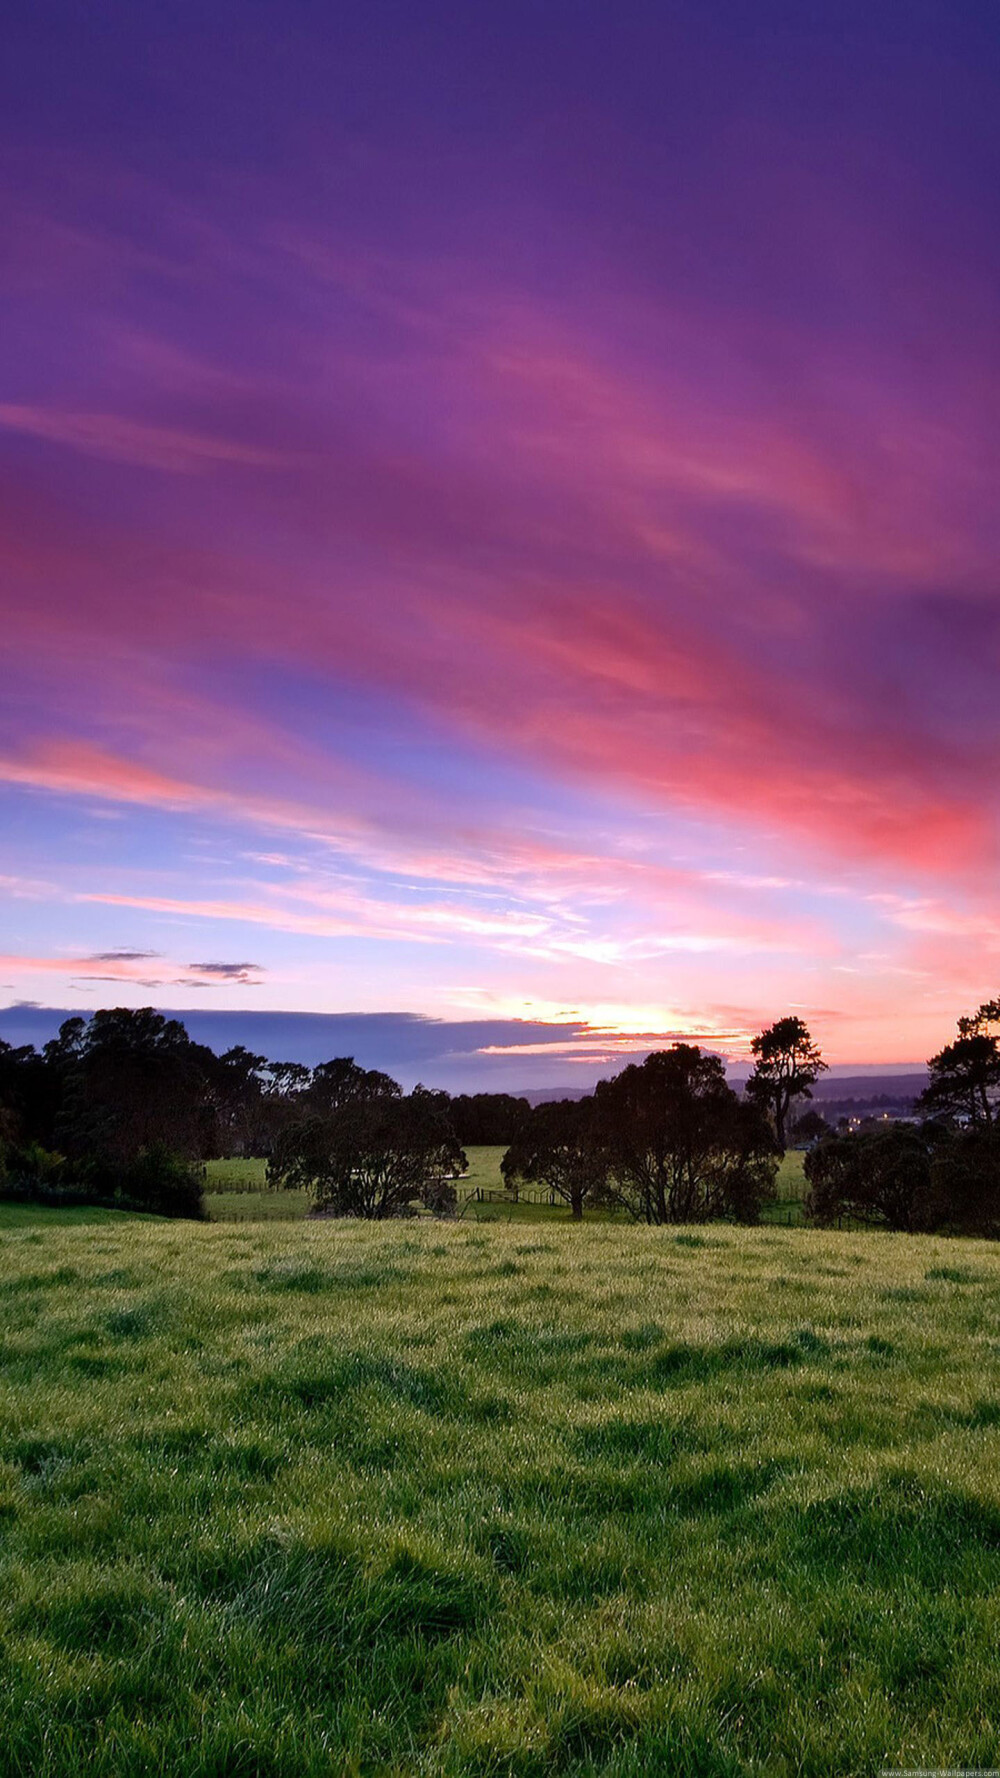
[[965, 1079], [557, 1145], [371, 1157], [787, 1065], [678, 1144]]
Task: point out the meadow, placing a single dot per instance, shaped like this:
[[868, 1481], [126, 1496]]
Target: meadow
[[493, 1499], [236, 1191]]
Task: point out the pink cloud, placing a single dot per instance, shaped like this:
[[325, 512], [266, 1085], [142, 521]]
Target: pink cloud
[[590, 547], [121, 440]]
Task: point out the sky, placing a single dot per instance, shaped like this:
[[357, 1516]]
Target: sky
[[498, 518]]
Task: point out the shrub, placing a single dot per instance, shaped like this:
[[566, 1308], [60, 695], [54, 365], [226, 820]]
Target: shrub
[[156, 1181], [880, 1179], [372, 1158], [963, 1191], [27, 1170]]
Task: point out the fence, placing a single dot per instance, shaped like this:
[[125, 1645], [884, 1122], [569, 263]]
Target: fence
[[484, 1194]]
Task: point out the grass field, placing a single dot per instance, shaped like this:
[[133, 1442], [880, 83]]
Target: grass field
[[236, 1191], [467, 1500]]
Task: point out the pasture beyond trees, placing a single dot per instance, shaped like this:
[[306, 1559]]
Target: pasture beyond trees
[[238, 1191], [495, 1500]]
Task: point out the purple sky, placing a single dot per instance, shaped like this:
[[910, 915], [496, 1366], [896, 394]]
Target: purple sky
[[498, 516]]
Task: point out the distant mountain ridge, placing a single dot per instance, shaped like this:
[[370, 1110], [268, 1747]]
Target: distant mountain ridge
[[899, 1088]]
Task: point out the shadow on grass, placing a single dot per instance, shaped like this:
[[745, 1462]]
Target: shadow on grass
[[313, 1383], [899, 1532]]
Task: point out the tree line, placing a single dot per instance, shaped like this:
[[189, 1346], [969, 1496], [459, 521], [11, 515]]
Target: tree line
[[123, 1107]]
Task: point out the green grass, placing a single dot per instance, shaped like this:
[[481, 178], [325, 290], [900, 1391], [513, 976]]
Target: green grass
[[791, 1182], [791, 1186], [236, 1191], [28, 1216], [244, 1175], [467, 1501]]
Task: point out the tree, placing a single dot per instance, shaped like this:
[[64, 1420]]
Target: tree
[[488, 1119], [371, 1157], [788, 1064], [880, 1179], [235, 1082], [286, 1080], [678, 1145], [965, 1076], [980, 1023], [810, 1127], [556, 1146], [23, 1090], [920, 1181], [964, 1192], [135, 1081], [343, 1082]]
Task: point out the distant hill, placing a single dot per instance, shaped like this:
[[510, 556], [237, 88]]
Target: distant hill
[[843, 1087], [543, 1095], [832, 1091]]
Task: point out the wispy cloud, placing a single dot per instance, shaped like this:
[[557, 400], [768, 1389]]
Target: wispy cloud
[[136, 442], [247, 974]]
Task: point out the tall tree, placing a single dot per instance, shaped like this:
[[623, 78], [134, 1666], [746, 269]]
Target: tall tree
[[342, 1081], [787, 1066], [981, 1023], [134, 1082], [965, 1079], [557, 1146], [490, 1119], [679, 1145], [371, 1157], [236, 1089]]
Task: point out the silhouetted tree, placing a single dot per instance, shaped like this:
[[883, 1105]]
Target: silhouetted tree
[[981, 1022], [881, 1179], [810, 1127], [27, 1106], [343, 1082], [965, 1076], [135, 1081], [679, 1145], [286, 1080], [487, 1119], [235, 1088], [557, 1146], [964, 1192], [787, 1066], [371, 1157], [927, 1180]]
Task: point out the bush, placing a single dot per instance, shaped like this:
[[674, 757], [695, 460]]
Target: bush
[[881, 1179], [155, 1181], [29, 1171], [928, 1180], [963, 1191]]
